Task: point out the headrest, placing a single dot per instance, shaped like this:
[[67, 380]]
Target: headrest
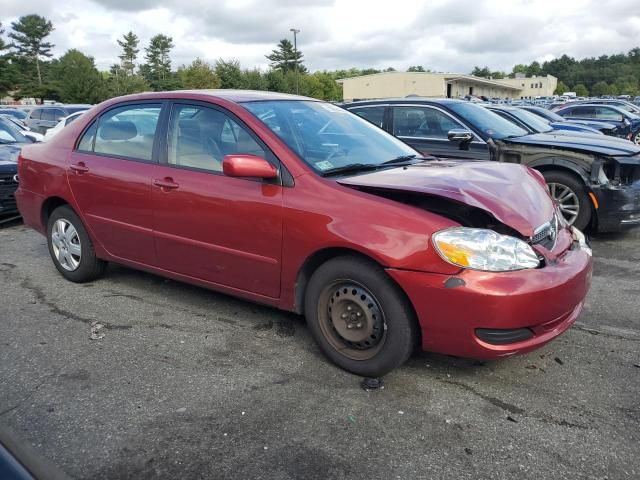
[[118, 130]]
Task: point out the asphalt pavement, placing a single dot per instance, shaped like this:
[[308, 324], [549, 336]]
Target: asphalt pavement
[[174, 381]]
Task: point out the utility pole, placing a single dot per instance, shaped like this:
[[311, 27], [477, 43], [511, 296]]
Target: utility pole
[[295, 52]]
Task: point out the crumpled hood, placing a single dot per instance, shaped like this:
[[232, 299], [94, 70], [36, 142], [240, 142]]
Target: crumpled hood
[[600, 144], [513, 194]]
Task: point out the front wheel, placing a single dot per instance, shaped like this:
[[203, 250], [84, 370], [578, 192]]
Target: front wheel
[[360, 319], [71, 248], [571, 197]]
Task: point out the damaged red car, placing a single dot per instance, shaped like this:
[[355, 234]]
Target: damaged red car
[[299, 204]]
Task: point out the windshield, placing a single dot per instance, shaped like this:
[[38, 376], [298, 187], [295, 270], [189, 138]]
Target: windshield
[[327, 137], [14, 113], [548, 114], [10, 134], [534, 122], [490, 124]]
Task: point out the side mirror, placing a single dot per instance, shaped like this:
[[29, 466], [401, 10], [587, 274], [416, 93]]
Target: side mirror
[[244, 165], [459, 135]]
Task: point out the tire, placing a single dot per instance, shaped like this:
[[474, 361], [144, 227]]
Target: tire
[[359, 317], [635, 137], [558, 182], [72, 253]]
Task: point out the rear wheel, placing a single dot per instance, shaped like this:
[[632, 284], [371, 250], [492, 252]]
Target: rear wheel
[[571, 196], [635, 138], [360, 319], [71, 248]]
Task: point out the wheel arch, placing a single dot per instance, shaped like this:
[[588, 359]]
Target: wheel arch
[[316, 259], [49, 205], [562, 165]]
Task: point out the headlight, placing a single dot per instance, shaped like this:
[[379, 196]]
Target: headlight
[[482, 249]]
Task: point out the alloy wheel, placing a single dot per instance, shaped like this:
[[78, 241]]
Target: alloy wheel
[[567, 200], [352, 320], [66, 244], [636, 138]]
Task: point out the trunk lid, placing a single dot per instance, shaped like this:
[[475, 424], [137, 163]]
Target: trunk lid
[[513, 194]]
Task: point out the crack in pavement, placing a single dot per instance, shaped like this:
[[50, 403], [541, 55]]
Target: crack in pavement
[[593, 331], [513, 409]]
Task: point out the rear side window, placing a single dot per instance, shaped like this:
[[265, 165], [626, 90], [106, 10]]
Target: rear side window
[[422, 122], [582, 112], [127, 132], [373, 114], [35, 114], [604, 113]]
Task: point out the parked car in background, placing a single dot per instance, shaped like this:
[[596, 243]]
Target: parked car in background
[[535, 124], [18, 115], [43, 117], [61, 124], [624, 104], [577, 125], [627, 123], [36, 137], [593, 178], [298, 204], [11, 142]]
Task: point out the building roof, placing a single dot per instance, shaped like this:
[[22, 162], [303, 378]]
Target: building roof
[[448, 77]]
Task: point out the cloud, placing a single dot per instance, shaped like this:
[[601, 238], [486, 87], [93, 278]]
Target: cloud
[[445, 35]]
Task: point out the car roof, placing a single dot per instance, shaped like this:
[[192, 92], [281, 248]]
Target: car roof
[[236, 96], [588, 104], [416, 100]]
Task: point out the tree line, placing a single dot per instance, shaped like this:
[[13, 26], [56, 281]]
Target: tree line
[[28, 69], [617, 74]]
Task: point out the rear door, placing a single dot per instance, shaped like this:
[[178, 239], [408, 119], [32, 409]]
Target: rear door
[[208, 226], [110, 176], [425, 128]]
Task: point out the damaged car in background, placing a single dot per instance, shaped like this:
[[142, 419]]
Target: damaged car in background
[[301, 205], [594, 179]]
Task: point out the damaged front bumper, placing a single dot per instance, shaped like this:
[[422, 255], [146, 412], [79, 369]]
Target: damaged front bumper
[[617, 202]]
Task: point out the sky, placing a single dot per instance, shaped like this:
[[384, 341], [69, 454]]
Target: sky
[[443, 35]]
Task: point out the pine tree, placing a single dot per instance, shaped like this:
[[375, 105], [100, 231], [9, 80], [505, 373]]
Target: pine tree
[[28, 34], [129, 45], [157, 70], [285, 58]]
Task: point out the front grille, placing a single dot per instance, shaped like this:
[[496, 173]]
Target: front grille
[[545, 234], [8, 188]]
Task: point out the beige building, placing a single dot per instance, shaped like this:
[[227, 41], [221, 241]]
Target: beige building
[[450, 85]]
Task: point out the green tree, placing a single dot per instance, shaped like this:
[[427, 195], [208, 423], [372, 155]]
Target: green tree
[[613, 90], [119, 82], [599, 89], [416, 68], [199, 74], [481, 72], [157, 70], [253, 79], [7, 69], [29, 34], [285, 58], [130, 50], [581, 90], [561, 88], [77, 78], [229, 73]]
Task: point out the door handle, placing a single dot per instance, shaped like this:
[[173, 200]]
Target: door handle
[[166, 183], [79, 167]]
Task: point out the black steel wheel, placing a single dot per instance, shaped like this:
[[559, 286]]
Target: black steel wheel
[[360, 318]]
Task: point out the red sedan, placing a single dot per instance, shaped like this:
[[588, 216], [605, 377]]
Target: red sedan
[[301, 205]]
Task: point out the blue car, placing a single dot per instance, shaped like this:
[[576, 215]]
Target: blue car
[[628, 123], [11, 142], [561, 123]]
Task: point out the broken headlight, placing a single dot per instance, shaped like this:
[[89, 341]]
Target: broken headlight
[[482, 249]]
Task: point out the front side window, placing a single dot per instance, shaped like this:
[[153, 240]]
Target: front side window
[[200, 137], [325, 136], [582, 112], [35, 115], [489, 123], [374, 114], [423, 122], [604, 113], [127, 131]]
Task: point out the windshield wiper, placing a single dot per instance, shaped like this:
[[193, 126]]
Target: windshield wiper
[[402, 159], [352, 167]]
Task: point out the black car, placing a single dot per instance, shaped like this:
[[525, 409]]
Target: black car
[[44, 117], [628, 123], [11, 142], [595, 179]]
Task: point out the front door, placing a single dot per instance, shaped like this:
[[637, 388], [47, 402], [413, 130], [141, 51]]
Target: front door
[[425, 129], [208, 226], [110, 177]]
